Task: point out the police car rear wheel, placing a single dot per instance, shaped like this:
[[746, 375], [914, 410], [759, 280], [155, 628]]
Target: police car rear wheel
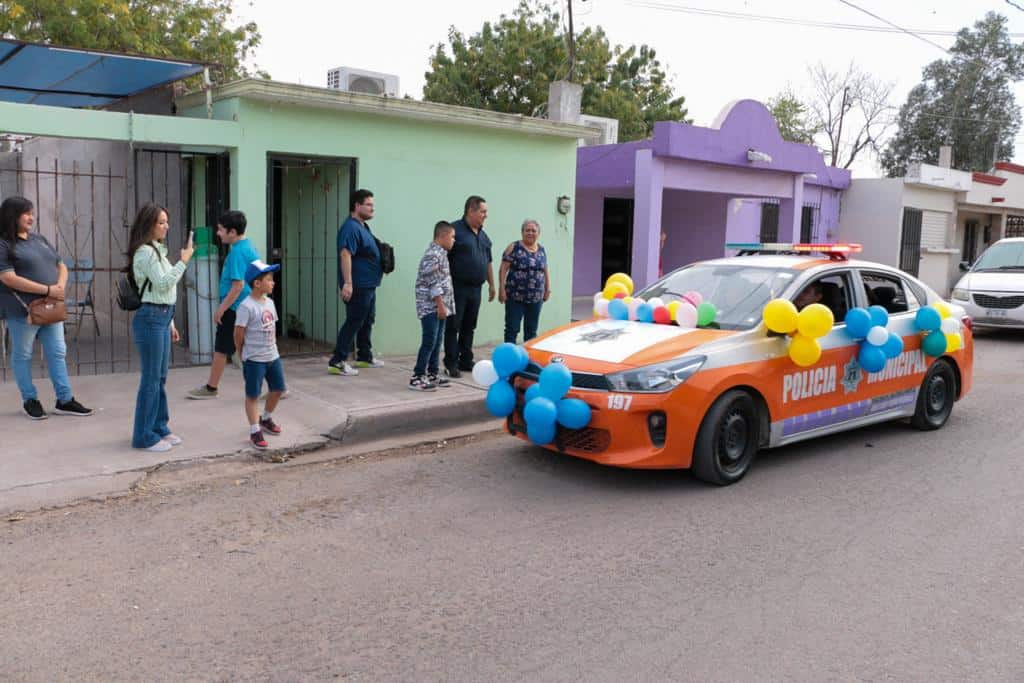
[[936, 398], [728, 439]]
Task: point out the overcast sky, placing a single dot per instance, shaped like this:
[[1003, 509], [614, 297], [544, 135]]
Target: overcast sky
[[712, 60]]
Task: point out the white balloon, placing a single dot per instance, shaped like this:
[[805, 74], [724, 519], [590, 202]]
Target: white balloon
[[601, 308], [484, 373], [951, 326], [599, 297], [878, 335], [655, 302], [633, 306]]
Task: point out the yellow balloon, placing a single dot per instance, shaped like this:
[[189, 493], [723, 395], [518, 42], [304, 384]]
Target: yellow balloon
[[780, 315], [627, 300], [815, 321], [804, 351], [943, 308], [626, 281], [672, 307], [953, 342], [613, 288]]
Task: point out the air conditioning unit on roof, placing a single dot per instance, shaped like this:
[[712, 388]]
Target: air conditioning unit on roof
[[609, 129], [363, 81]]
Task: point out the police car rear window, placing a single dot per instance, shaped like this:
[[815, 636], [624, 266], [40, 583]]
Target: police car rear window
[[738, 291]]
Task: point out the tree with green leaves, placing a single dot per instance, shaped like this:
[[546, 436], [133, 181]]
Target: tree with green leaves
[[508, 65], [181, 29], [793, 118], [965, 101]]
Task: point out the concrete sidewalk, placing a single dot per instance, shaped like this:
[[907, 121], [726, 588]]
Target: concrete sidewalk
[[63, 459]]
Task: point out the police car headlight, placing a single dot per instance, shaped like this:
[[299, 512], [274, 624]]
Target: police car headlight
[[656, 378], [961, 294]]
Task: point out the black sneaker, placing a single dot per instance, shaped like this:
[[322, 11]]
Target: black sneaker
[[72, 407], [34, 409], [258, 441], [438, 380], [454, 373], [420, 383]]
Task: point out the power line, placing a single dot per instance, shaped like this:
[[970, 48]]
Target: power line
[[792, 21], [896, 26]]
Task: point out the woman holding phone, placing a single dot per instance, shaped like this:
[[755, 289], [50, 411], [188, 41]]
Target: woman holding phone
[[153, 328]]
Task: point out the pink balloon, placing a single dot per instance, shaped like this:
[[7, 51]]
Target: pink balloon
[[633, 306], [694, 297], [601, 308], [686, 315]]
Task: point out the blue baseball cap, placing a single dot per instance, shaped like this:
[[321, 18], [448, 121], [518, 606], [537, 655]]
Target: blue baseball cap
[[257, 268]]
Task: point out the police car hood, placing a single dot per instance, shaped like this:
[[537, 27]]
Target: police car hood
[[601, 345]]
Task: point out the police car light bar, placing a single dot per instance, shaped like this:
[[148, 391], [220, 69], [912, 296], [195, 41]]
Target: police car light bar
[[836, 250]]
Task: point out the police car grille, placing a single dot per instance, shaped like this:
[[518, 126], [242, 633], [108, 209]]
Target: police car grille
[[580, 380], [586, 440], [1004, 302]]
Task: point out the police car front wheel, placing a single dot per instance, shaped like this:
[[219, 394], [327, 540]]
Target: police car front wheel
[[727, 440], [936, 397]]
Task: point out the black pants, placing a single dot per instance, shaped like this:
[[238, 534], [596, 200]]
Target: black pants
[[458, 332], [360, 314]]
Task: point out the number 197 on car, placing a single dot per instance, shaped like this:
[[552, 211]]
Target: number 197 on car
[[619, 402]]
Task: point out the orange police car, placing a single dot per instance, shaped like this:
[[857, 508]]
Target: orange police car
[[709, 399]]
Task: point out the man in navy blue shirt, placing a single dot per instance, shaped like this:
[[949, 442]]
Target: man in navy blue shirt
[[359, 275], [470, 263]]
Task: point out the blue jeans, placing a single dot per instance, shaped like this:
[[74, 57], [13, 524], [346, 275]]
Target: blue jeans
[[517, 312], [151, 332], [23, 337], [255, 371], [430, 346], [360, 314]]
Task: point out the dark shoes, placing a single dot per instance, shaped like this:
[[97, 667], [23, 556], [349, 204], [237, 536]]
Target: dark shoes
[[258, 441], [454, 373], [72, 407], [268, 425], [438, 381], [34, 409]]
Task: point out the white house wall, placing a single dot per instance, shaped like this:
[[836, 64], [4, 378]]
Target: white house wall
[[871, 214]]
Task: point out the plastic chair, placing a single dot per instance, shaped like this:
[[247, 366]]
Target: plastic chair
[[81, 274]]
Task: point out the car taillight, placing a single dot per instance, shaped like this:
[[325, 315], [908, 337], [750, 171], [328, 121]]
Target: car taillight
[[967, 322]]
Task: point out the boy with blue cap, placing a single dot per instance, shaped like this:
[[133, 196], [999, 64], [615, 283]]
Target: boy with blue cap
[[256, 340]]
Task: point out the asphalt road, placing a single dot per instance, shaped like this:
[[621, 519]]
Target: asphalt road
[[883, 554]]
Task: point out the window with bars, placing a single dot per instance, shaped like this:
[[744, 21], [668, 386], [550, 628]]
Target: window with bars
[[1015, 226]]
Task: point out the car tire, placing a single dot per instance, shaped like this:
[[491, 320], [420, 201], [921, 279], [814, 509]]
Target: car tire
[[728, 439], [936, 397]]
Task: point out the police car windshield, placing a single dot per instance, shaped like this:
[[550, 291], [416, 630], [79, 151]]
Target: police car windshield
[[1005, 256], [739, 292]]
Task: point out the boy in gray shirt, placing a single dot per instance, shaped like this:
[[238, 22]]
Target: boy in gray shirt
[[256, 340]]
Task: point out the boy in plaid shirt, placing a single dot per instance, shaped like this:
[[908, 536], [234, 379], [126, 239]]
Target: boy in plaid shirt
[[435, 301]]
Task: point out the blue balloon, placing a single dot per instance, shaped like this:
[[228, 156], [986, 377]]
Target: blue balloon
[[541, 434], [555, 381], [879, 316], [618, 310], [506, 360], [645, 313], [928, 319], [540, 411], [858, 322], [532, 393], [893, 345], [871, 358], [573, 413], [934, 344], [501, 399], [524, 358]]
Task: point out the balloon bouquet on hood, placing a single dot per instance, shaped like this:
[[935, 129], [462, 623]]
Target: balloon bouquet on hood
[[546, 406]]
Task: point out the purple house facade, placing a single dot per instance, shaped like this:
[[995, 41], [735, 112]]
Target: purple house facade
[[737, 181]]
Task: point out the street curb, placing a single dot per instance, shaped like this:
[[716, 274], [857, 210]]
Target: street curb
[[410, 417]]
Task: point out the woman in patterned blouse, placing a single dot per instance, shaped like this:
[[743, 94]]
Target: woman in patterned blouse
[[525, 283]]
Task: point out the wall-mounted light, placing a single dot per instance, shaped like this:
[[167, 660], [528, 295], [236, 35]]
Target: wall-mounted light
[[564, 205], [754, 155]]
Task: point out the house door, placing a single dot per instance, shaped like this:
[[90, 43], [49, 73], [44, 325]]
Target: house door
[[910, 241], [769, 222], [969, 252], [807, 221], [617, 237]]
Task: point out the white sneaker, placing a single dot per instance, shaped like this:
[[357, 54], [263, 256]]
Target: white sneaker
[[174, 439], [372, 363], [342, 369], [160, 446]]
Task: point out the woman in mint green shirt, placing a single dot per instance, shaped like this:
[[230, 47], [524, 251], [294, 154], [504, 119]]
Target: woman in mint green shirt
[[153, 328]]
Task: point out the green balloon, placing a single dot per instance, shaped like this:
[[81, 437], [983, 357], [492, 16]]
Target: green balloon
[[706, 313]]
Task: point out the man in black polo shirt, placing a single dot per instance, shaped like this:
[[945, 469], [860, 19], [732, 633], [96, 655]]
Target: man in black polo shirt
[[470, 262]]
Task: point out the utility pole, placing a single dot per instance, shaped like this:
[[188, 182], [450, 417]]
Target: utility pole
[[572, 47]]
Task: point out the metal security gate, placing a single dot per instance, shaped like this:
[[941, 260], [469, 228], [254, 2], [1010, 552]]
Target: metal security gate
[[85, 195], [910, 241], [769, 221]]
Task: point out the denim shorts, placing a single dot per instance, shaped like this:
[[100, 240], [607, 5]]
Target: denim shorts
[[256, 371]]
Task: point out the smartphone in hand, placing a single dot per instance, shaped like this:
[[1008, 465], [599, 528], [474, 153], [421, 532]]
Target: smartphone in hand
[[191, 238]]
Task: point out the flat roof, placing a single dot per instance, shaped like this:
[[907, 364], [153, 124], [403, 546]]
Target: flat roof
[[34, 73], [276, 92]]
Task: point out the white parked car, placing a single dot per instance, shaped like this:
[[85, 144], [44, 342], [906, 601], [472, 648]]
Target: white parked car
[[992, 290]]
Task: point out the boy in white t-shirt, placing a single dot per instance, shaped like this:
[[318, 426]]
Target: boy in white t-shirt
[[256, 340]]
